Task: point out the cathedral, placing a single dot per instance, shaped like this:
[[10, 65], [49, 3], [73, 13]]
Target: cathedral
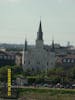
[[39, 56]]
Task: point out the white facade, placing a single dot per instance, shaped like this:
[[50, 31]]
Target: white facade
[[38, 56]]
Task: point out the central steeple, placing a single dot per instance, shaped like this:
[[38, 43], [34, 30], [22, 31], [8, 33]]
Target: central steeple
[[40, 33], [39, 40], [25, 47]]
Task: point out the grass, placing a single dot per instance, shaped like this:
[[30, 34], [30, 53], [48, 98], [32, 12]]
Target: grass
[[47, 94], [38, 96], [54, 91]]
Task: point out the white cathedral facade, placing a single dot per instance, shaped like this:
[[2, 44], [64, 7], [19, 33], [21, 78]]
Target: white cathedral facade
[[38, 57]]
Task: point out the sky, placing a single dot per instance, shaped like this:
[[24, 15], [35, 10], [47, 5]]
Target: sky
[[19, 19]]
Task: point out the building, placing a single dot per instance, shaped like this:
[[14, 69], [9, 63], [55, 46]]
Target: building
[[66, 61], [18, 58], [40, 56], [21, 81], [6, 59]]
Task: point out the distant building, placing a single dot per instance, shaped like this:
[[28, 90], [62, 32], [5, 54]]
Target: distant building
[[69, 60], [40, 56], [6, 59], [2, 49], [18, 58], [66, 61], [21, 81]]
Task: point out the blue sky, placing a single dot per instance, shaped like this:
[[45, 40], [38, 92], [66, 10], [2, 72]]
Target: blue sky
[[20, 19]]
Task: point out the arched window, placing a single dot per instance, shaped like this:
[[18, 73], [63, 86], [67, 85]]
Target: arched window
[[68, 60], [72, 61], [64, 60]]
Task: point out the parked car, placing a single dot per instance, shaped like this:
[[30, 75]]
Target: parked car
[[45, 85], [58, 85], [73, 86]]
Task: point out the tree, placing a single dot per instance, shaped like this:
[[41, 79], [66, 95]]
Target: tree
[[3, 73]]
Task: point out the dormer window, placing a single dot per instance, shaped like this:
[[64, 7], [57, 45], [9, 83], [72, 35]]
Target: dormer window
[[64, 60], [68, 60], [72, 61]]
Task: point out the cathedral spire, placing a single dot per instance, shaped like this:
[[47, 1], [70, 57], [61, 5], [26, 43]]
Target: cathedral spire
[[53, 48], [40, 33], [40, 27], [52, 44], [25, 48]]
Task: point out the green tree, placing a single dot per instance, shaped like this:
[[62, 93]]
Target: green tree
[[3, 73]]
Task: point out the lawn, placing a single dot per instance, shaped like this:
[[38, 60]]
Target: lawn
[[46, 94]]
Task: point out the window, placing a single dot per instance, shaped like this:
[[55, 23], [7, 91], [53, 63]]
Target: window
[[47, 63], [64, 60], [24, 61], [68, 60], [29, 62], [9, 57], [0, 57], [72, 61], [12, 58], [5, 57], [51, 63], [38, 62]]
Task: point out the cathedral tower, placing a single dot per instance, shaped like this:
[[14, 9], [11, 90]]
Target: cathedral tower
[[52, 47], [25, 47], [39, 40]]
